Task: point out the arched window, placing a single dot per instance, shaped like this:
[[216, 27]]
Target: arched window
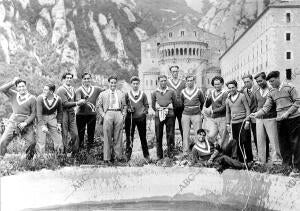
[[177, 51], [190, 51], [172, 52], [194, 51], [151, 82], [181, 51], [185, 51], [197, 52], [169, 52]]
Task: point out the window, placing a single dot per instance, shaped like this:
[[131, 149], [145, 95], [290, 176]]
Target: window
[[288, 55], [287, 36], [146, 82], [170, 34], [182, 33], [195, 33], [288, 17], [151, 82], [288, 74]]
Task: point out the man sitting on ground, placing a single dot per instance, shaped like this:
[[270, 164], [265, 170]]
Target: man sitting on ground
[[203, 148]]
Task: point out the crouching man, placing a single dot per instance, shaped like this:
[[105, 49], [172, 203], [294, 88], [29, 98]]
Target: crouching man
[[21, 121], [49, 116]]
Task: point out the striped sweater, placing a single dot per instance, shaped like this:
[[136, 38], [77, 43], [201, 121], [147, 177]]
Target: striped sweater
[[204, 148], [43, 107], [67, 95], [22, 105], [217, 102], [91, 95], [177, 87], [237, 110], [192, 101], [139, 103]]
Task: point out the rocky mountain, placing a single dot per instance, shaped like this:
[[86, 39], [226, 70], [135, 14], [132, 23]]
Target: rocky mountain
[[103, 36]]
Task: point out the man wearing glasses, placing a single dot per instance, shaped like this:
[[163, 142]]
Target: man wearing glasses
[[86, 113], [67, 94]]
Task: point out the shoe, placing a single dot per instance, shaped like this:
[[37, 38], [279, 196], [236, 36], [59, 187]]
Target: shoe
[[108, 163]]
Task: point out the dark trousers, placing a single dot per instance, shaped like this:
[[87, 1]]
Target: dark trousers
[[228, 162], [253, 128], [289, 141], [178, 115], [243, 139], [170, 129], [84, 121], [69, 126], [131, 123]]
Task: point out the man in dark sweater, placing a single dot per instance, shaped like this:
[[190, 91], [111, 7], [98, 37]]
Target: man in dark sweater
[[86, 114], [287, 101], [49, 117], [266, 125], [22, 119], [249, 91], [67, 95], [178, 85], [216, 99], [163, 101], [137, 110]]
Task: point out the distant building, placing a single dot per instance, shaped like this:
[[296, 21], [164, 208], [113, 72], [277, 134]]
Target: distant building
[[194, 50], [272, 42]]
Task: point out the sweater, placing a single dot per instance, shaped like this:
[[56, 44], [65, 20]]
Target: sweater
[[250, 97], [139, 103], [193, 102], [177, 87], [91, 96], [217, 102], [260, 101], [25, 105], [67, 96], [204, 148], [163, 99], [286, 99], [238, 110], [43, 107]]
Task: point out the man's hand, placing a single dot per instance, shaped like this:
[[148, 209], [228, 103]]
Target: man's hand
[[59, 127], [247, 125], [45, 129], [253, 115], [81, 102], [283, 116], [22, 125]]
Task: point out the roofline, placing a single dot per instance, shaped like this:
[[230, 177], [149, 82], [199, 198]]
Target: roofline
[[256, 20], [181, 22]]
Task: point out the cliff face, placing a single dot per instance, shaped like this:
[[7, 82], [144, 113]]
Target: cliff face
[[104, 35]]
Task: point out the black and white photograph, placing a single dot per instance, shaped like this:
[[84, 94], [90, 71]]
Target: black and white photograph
[[149, 105]]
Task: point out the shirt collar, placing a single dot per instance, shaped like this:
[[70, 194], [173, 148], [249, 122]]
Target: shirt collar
[[163, 91]]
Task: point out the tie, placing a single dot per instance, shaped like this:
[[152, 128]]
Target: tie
[[249, 92], [112, 100]]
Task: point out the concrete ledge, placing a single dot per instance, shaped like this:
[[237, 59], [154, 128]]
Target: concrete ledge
[[75, 185]]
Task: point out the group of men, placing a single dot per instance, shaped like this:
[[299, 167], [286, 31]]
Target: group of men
[[271, 113]]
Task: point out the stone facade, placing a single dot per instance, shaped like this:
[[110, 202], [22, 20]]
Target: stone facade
[[270, 43], [194, 50]]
